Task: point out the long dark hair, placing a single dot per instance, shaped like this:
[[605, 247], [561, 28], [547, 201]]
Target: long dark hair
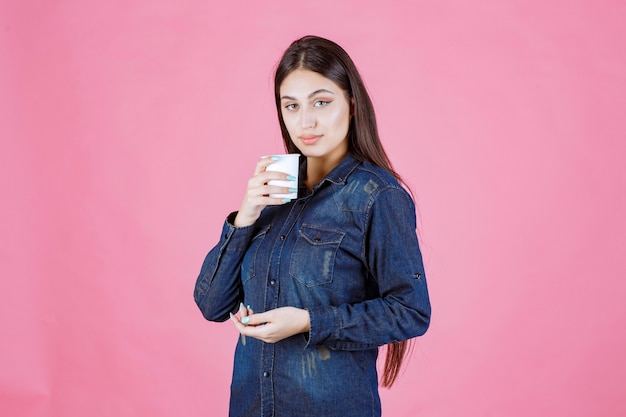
[[330, 60]]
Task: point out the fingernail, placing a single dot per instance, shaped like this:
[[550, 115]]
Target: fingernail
[[293, 190], [245, 320], [275, 158], [286, 200], [291, 178], [231, 316], [249, 308], [241, 307]]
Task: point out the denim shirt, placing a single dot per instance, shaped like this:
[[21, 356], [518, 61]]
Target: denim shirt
[[348, 253]]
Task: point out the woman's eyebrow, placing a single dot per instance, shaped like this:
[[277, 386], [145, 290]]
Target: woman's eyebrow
[[321, 90]]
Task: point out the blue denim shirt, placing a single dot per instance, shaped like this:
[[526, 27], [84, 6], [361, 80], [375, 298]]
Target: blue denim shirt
[[348, 253]]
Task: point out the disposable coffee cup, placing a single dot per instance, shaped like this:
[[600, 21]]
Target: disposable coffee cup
[[289, 164]]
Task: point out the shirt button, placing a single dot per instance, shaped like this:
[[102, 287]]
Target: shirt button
[[273, 281], [266, 374], [282, 237]]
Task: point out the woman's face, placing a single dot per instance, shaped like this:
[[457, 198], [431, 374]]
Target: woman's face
[[316, 113]]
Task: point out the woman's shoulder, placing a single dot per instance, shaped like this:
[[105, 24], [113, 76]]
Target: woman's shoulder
[[368, 186], [377, 177]]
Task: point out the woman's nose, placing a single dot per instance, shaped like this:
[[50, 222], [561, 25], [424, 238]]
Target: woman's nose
[[308, 119]]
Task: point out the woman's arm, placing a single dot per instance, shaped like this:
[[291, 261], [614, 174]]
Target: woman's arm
[[218, 289], [393, 257]]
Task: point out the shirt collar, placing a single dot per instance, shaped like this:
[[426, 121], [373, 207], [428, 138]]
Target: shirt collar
[[340, 173], [337, 175]]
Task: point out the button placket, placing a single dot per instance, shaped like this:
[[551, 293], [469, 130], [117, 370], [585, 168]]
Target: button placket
[[271, 302]]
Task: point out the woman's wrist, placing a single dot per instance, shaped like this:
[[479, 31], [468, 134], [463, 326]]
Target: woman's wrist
[[241, 220], [305, 320]]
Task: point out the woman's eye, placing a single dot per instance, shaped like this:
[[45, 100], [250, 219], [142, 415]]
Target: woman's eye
[[321, 103], [290, 106]]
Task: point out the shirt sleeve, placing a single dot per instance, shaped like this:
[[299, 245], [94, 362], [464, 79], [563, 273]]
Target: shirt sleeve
[[218, 289], [394, 261]]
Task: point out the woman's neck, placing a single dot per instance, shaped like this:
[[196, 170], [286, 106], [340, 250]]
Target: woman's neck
[[318, 168]]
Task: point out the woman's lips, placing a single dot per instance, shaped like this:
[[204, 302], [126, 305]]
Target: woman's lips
[[310, 139]]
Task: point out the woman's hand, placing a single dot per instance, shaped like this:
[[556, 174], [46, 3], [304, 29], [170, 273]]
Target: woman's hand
[[257, 193], [273, 325]]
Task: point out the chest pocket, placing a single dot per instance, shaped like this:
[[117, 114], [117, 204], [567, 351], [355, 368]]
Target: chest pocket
[[313, 256]]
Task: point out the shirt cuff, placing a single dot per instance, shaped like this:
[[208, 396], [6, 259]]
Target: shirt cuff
[[235, 238], [324, 323]]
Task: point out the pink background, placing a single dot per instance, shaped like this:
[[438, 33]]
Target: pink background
[[129, 130]]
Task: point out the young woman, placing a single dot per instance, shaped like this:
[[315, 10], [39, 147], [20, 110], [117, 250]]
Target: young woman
[[317, 284]]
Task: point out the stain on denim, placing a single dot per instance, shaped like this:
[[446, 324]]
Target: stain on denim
[[326, 271], [309, 368], [323, 352], [370, 187], [351, 187], [308, 361]]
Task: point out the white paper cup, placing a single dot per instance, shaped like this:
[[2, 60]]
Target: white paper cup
[[289, 164]]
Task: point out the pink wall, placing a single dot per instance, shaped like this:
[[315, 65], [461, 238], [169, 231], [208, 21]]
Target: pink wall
[[129, 130]]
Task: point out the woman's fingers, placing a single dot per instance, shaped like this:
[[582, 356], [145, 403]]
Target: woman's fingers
[[259, 190], [243, 312], [264, 177], [259, 185], [258, 193], [274, 325], [264, 190], [263, 163]]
